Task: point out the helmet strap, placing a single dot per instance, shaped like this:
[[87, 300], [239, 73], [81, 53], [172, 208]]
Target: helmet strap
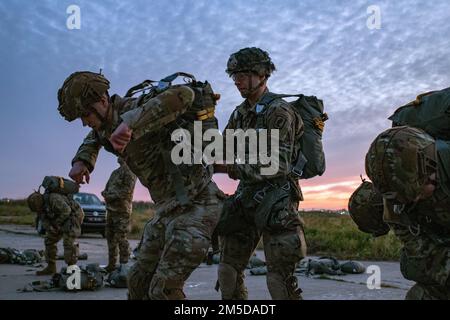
[[103, 119], [251, 89]]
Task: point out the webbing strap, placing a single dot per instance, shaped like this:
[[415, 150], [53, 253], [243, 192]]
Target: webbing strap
[[177, 178]]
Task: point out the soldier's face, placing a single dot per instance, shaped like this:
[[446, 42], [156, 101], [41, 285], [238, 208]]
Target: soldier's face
[[91, 120], [246, 81], [428, 189]]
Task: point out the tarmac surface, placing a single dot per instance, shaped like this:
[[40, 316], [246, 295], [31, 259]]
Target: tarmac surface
[[199, 286]]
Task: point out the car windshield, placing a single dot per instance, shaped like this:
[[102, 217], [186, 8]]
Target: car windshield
[[87, 199]]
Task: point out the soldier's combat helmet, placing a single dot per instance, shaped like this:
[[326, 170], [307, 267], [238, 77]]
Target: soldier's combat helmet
[[366, 210], [79, 91], [250, 60], [35, 202], [400, 162]]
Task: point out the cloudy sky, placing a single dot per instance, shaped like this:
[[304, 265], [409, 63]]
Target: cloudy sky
[[321, 48]]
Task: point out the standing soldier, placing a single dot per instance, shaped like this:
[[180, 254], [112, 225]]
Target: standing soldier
[[263, 204], [139, 130], [118, 196], [61, 217]]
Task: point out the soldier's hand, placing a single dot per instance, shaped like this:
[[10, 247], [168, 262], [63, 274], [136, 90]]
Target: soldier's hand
[[79, 172], [121, 137]]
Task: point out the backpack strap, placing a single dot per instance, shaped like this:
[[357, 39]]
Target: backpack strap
[[177, 178]]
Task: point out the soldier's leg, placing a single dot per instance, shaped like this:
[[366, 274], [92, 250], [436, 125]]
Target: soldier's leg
[[123, 227], [51, 240], [118, 195], [187, 236], [71, 231], [141, 273], [427, 292], [71, 250], [283, 251], [111, 240], [236, 250]]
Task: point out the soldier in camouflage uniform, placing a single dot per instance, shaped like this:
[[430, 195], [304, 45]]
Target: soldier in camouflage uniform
[[187, 201], [61, 217], [118, 195], [404, 165], [274, 198]]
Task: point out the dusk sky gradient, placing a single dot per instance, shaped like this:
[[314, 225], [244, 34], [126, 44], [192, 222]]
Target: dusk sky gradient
[[321, 48]]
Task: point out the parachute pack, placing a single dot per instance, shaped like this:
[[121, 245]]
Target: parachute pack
[[202, 109], [310, 160], [54, 184], [429, 112]]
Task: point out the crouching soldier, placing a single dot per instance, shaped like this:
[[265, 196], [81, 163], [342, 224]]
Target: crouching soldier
[[61, 217]]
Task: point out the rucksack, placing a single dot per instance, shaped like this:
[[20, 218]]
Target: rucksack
[[310, 160], [202, 109], [53, 184], [429, 112]]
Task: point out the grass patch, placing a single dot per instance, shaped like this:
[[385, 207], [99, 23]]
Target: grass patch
[[142, 212], [16, 212], [337, 235]]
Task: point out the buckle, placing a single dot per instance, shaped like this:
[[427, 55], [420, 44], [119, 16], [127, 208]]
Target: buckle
[[259, 196], [414, 230], [286, 187], [298, 173]]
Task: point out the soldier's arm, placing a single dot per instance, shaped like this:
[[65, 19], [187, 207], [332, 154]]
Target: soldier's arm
[[88, 151], [158, 111], [282, 117]]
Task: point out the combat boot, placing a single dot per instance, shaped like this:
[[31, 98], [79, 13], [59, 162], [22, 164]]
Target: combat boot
[[48, 271], [111, 265]]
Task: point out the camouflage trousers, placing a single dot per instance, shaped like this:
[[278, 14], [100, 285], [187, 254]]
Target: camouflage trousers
[[426, 262], [173, 246], [118, 196], [283, 249], [69, 232], [117, 228]]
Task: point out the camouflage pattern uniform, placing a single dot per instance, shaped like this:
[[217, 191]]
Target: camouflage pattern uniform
[[61, 217], [400, 162], [425, 256], [118, 195], [283, 237], [187, 201]]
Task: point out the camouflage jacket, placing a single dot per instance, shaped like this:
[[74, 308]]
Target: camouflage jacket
[[59, 208], [120, 185], [280, 115], [426, 216], [148, 152]]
